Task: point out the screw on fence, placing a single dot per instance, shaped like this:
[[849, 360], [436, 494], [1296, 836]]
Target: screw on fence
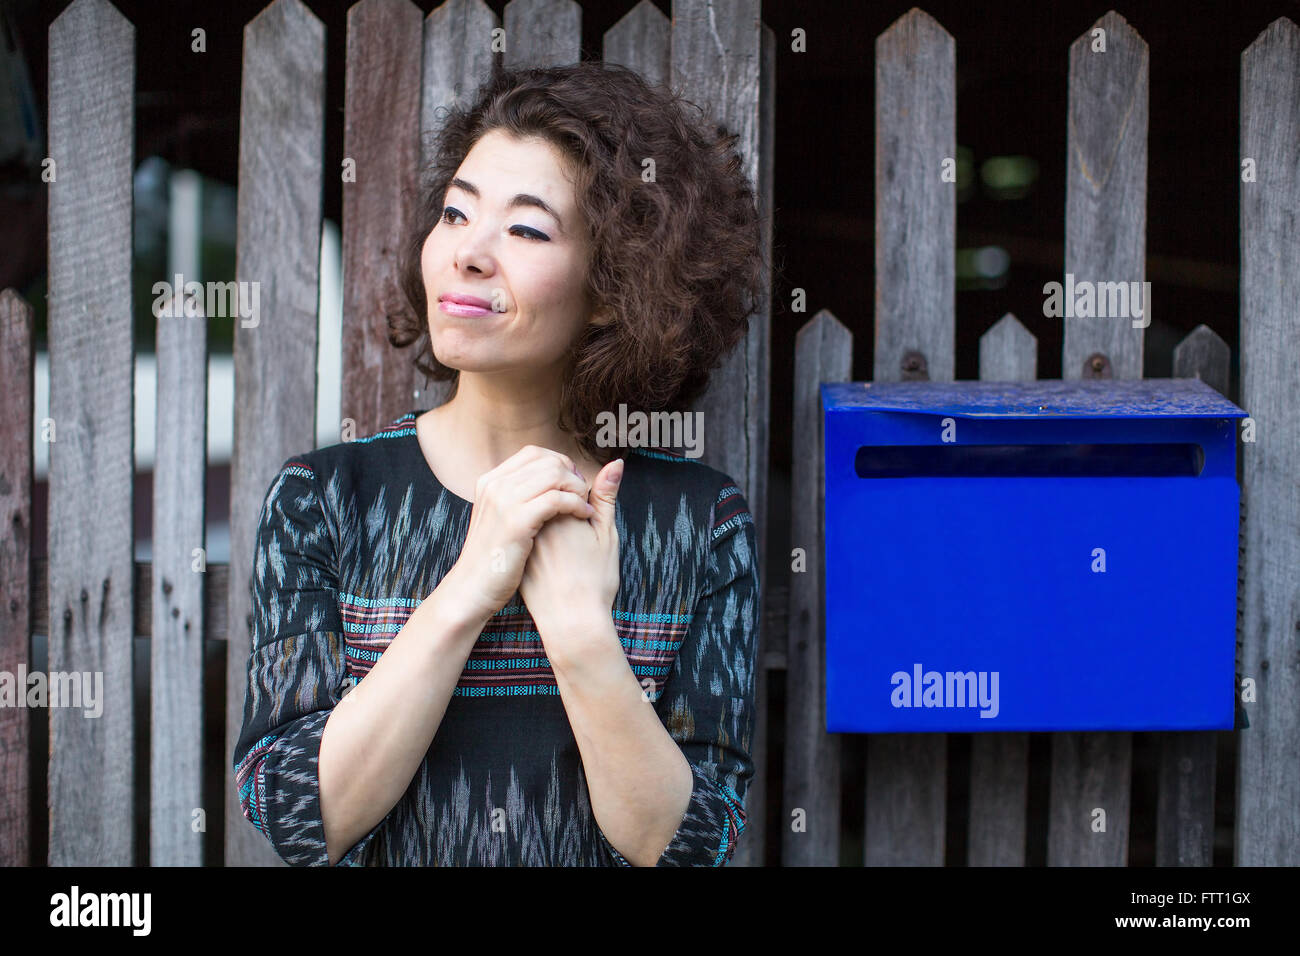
[[1097, 365], [914, 367]]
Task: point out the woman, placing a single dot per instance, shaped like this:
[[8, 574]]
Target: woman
[[483, 635]]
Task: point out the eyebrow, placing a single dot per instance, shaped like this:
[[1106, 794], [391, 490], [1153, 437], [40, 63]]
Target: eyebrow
[[519, 199]]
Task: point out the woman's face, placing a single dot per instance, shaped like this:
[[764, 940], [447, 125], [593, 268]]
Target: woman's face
[[512, 237]]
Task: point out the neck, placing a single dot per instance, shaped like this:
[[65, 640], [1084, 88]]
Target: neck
[[494, 415]]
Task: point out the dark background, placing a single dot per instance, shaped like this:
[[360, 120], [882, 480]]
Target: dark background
[[1011, 86]]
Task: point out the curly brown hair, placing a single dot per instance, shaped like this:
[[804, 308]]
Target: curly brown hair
[[677, 260]]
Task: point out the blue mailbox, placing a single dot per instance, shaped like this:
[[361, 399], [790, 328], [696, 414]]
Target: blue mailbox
[[1037, 556]]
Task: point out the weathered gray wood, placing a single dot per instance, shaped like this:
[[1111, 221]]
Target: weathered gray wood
[[176, 661], [1202, 354], [214, 599], [381, 135], [640, 41], [916, 217], [1185, 788], [1008, 352], [542, 33], [1089, 788], [823, 352], [916, 210], [17, 371], [457, 59], [1185, 799], [1106, 189], [717, 63], [907, 781], [1105, 241], [92, 343], [999, 764], [999, 799], [1268, 767], [281, 133]]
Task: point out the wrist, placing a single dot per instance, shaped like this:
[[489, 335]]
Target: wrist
[[580, 634], [463, 616]]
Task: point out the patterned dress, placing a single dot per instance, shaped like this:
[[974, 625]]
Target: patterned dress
[[352, 537]]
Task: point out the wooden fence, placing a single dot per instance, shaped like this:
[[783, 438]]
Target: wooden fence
[[90, 597]]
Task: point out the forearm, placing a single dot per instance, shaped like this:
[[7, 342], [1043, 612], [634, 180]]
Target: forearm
[[376, 737], [638, 779]]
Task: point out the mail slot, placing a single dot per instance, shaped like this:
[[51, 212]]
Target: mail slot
[[1047, 555]]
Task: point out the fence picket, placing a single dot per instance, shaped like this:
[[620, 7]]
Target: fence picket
[[1105, 241], [381, 136], [823, 352], [1268, 768], [916, 216], [640, 41], [999, 763], [176, 649], [92, 349], [281, 139], [1185, 787], [18, 369]]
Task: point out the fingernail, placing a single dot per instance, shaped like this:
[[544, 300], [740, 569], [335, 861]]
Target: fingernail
[[616, 473]]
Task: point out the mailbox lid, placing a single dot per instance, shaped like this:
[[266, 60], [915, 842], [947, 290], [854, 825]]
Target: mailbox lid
[[1043, 398]]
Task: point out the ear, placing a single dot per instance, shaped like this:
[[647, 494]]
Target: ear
[[601, 317]]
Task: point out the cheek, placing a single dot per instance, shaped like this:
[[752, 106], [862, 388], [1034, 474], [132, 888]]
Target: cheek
[[557, 287]]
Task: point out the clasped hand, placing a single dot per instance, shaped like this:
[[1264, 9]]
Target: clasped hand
[[572, 573], [537, 527]]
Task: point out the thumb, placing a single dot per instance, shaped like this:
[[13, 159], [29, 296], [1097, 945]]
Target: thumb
[[604, 492]]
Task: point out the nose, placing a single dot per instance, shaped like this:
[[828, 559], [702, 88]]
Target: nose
[[473, 250]]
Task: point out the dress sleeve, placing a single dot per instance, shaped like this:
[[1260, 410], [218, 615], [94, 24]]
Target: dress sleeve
[[707, 704], [296, 671]]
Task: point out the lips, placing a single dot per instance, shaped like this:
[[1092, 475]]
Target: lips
[[453, 303]]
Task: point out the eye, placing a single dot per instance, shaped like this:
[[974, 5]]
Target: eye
[[448, 211], [535, 235]]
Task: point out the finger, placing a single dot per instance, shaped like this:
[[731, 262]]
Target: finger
[[514, 463], [525, 460], [530, 453], [547, 505], [543, 475]]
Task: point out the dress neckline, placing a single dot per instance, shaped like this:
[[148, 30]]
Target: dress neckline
[[422, 463]]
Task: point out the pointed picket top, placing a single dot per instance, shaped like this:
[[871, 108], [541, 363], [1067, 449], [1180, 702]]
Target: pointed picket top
[[1008, 352], [11, 301], [1108, 81], [1278, 35], [641, 40], [542, 33], [1270, 81], [823, 327], [911, 32], [81, 15], [288, 15], [1203, 354], [90, 32]]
